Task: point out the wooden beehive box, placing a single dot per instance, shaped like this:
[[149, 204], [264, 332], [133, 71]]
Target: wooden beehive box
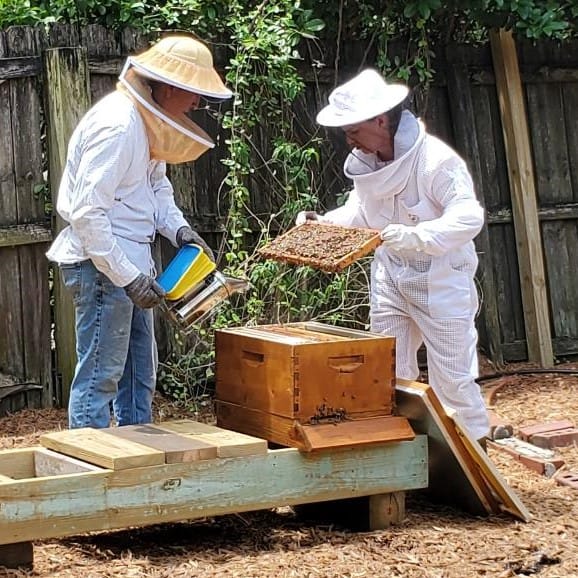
[[307, 385]]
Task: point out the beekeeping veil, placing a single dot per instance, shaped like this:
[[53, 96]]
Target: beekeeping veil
[[186, 63]]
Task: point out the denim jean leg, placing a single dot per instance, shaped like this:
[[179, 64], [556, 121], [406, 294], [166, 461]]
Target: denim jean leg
[[103, 320], [133, 404]]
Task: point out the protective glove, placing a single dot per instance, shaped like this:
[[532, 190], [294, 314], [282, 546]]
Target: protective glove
[[186, 235], [401, 238], [145, 292], [304, 216]]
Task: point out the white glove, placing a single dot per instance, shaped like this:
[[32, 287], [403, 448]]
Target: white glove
[[304, 216], [401, 238]]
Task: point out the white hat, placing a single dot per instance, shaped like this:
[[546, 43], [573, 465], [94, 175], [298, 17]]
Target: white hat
[[361, 98]]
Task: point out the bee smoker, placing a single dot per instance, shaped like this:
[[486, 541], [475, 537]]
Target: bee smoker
[[202, 299]]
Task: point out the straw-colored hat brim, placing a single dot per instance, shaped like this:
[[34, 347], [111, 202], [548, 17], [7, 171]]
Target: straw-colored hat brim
[[183, 62]]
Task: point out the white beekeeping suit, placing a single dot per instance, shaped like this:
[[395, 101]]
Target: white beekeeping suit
[[422, 276]]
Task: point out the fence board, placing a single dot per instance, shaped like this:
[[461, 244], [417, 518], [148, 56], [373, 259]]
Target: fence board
[[12, 360], [507, 287], [570, 103], [549, 145], [66, 71], [561, 248], [32, 269], [101, 44]]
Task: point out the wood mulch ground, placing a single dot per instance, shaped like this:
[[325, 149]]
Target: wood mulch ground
[[433, 542]]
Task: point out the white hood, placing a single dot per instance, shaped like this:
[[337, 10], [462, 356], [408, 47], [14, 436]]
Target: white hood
[[375, 178]]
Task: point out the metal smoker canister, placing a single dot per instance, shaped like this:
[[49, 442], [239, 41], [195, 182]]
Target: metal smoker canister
[[198, 303]]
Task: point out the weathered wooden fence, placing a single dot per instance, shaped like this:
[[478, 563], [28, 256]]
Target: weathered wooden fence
[[526, 172]]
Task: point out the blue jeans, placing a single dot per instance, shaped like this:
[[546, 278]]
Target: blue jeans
[[116, 352]]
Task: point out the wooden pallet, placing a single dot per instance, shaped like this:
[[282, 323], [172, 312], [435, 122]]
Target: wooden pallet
[[88, 480], [304, 253]]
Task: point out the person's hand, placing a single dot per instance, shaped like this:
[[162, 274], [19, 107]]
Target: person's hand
[[401, 238], [186, 235], [145, 292], [304, 216]]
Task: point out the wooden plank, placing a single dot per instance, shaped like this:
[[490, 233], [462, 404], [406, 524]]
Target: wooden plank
[[528, 238], [5, 479], [550, 150], [101, 43], [560, 249], [176, 448], [347, 434], [19, 67], [570, 100], [229, 444], [509, 501], [100, 448], [28, 156], [11, 339], [26, 234], [66, 71], [453, 476], [68, 505], [19, 555], [17, 463], [49, 463], [547, 74], [559, 212]]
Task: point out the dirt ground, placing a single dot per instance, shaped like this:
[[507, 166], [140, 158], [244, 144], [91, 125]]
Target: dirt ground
[[433, 542]]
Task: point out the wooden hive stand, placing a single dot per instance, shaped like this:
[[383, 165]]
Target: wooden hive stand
[[87, 480]]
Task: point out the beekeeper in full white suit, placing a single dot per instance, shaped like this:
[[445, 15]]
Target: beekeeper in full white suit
[[418, 192]]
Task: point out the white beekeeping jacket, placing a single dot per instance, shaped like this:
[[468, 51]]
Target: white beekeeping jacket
[[428, 187], [112, 195]]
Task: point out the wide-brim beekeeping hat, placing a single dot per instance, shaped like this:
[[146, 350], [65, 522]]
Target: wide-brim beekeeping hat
[[365, 96], [182, 61]]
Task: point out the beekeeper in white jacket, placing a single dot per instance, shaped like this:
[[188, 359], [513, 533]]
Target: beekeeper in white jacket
[[115, 197], [418, 192]]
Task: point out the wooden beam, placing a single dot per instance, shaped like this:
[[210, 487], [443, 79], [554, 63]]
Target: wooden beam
[[19, 67], [24, 235], [98, 447], [229, 443], [559, 212], [523, 191], [20, 555], [386, 509], [41, 508], [67, 98]]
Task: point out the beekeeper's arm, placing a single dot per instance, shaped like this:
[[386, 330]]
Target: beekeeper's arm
[[348, 215], [462, 218], [105, 155]]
